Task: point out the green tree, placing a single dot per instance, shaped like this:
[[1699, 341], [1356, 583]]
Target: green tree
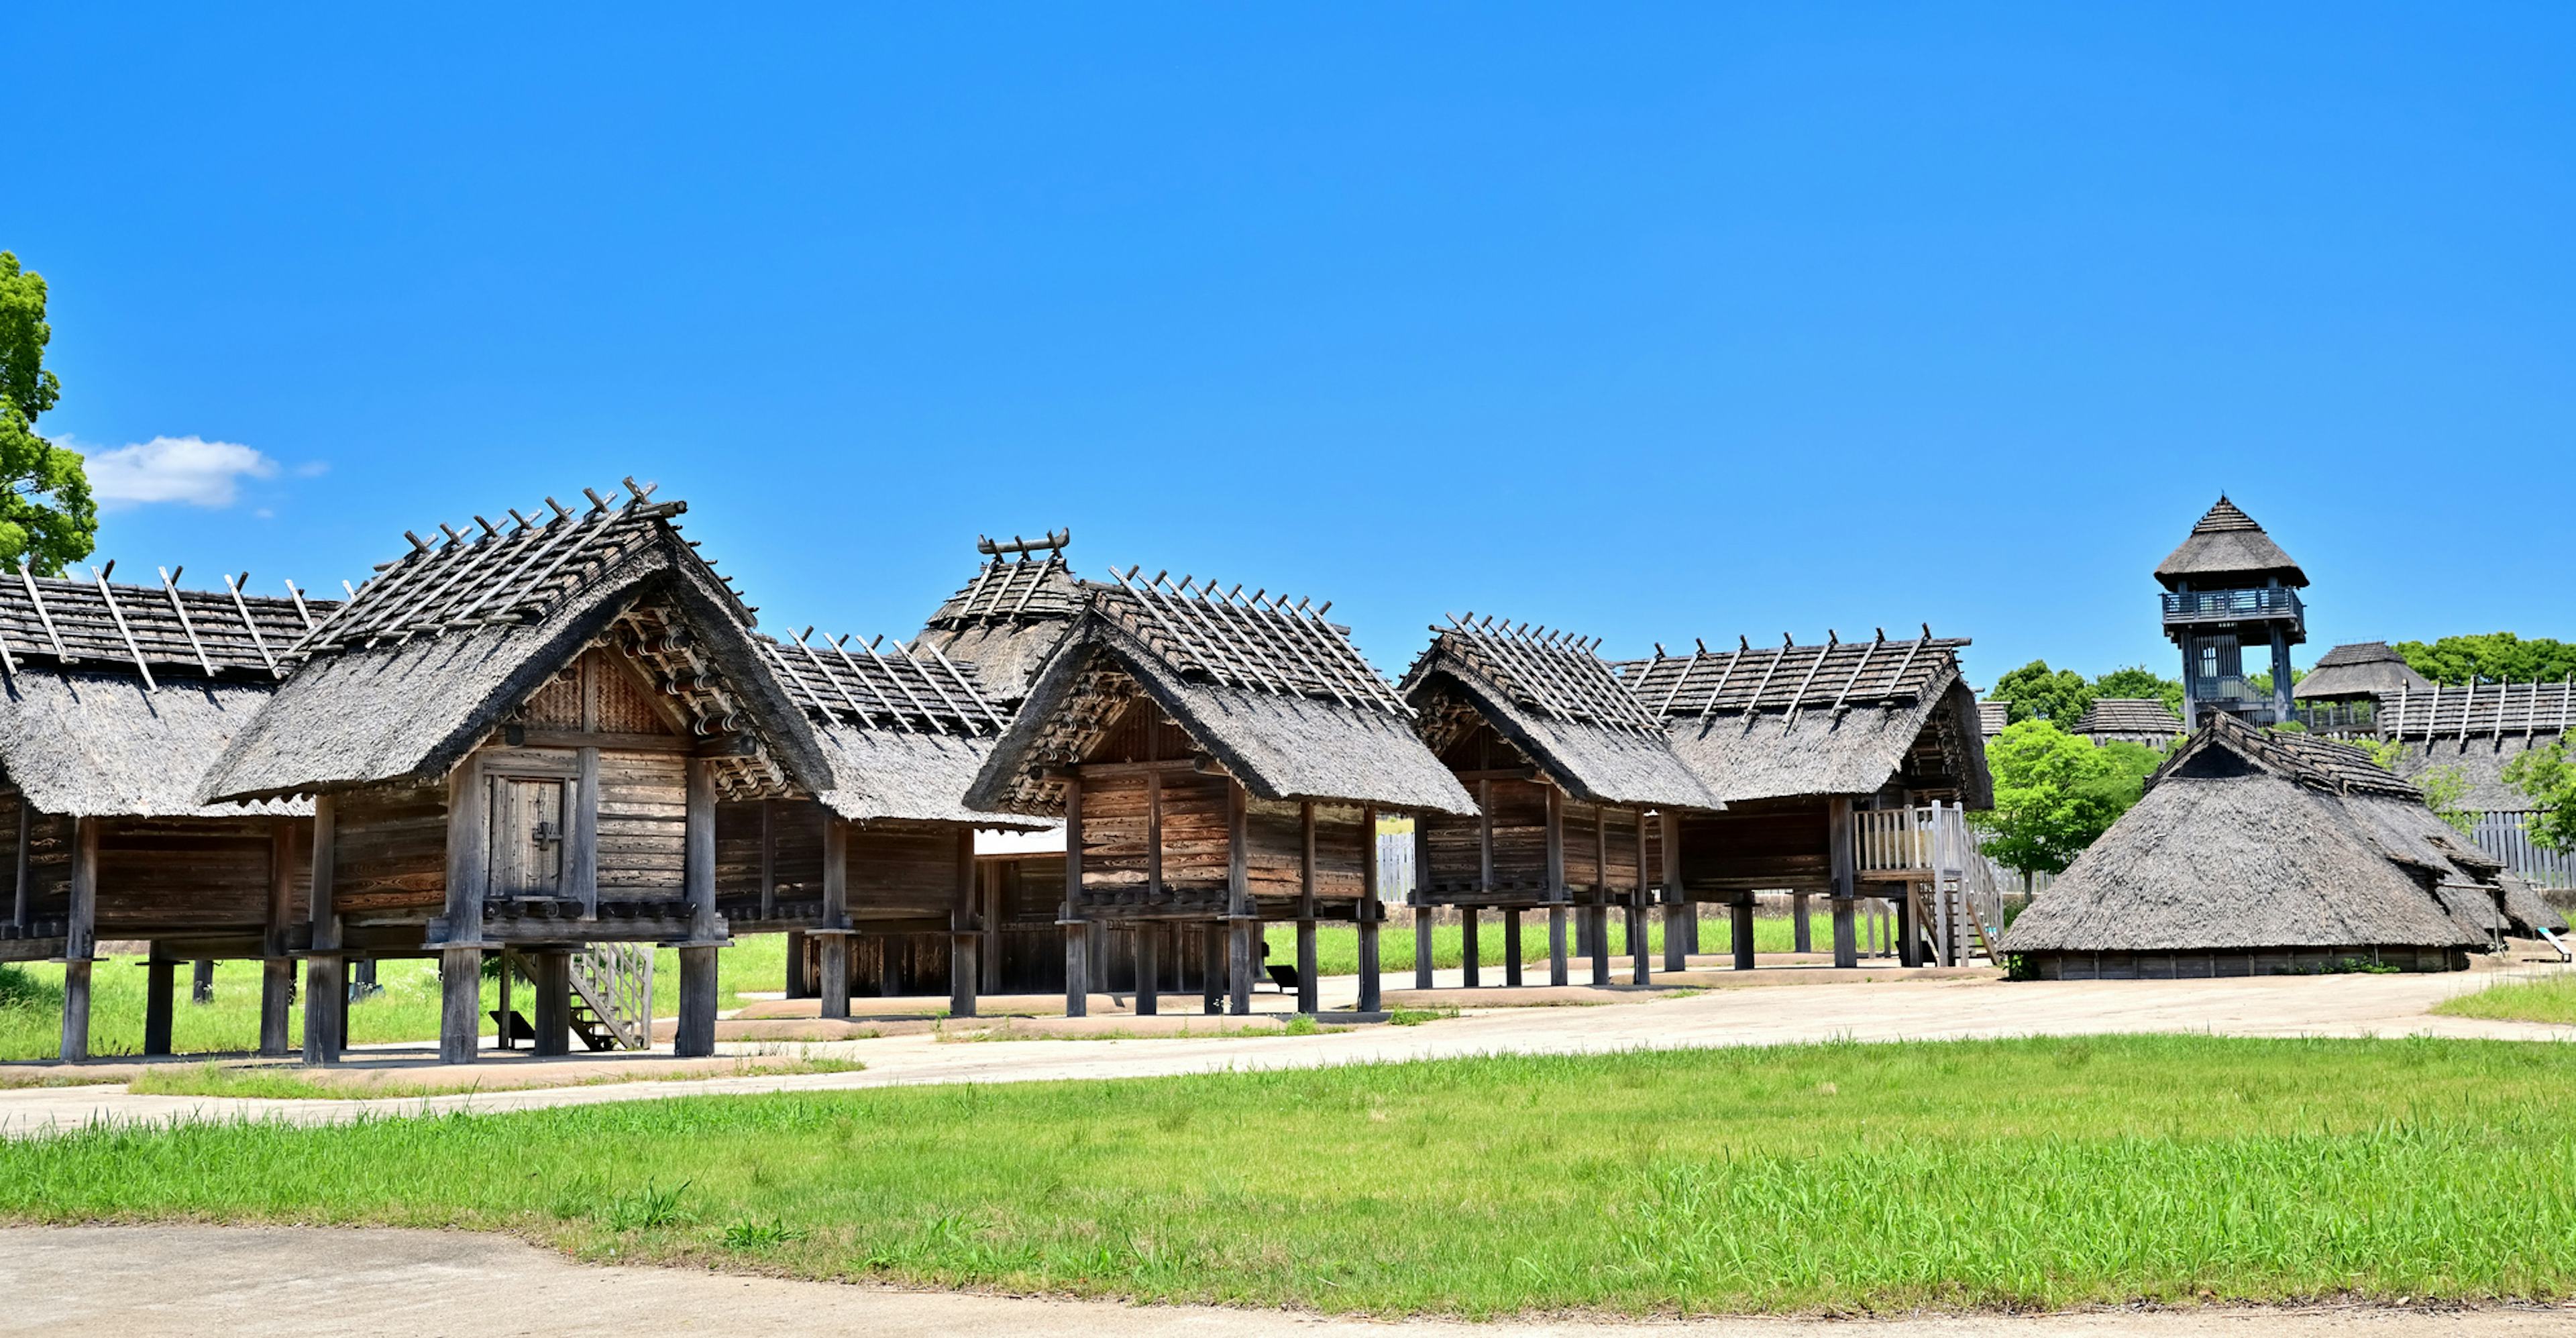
[[2139, 681], [2490, 657], [2549, 777], [2056, 792], [2037, 692], [46, 515]]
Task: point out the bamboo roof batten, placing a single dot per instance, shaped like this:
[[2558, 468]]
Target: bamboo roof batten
[[36, 597], [233, 585], [109, 598], [955, 711], [973, 693], [1858, 669], [1799, 698], [929, 720], [169, 587], [1239, 640], [857, 712]]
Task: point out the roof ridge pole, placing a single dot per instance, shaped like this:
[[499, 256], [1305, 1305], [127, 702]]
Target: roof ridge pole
[[893, 712], [1898, 678], [1798, 699], [839, 689], [1153, 609], [965, 723], [1733, 658], [43, 615], [251, 624], [973, 693], [118, 615], [897, 679], [1258, 658], [1259, 615], [169, 586], [1858, 669]]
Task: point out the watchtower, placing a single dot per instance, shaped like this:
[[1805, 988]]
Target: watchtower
[[2227, 588]]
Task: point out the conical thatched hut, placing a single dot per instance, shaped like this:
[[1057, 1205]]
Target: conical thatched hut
[[2265, 853], [1570, 771]]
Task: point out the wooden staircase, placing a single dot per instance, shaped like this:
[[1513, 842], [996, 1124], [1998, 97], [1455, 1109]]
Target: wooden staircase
[[612, 996], [1950, 889]]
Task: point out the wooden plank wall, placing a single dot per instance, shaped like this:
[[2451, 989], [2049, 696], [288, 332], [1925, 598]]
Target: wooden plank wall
[[49, 859], [184, 874], [643, 824], [1757, 845], [390, 852], [796, 855], [1274, 844]]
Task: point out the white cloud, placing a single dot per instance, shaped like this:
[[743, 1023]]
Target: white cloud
[[173, 469]]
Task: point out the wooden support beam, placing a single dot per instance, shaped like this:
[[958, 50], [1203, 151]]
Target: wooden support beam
[[833, 966], [799, 983], [1640, 935], [1681, 914], [80, 939], [1470, 952], [768, 858], [1421, 895], [201, 981], [1596, 919], [965, 934], [1740, 928], [1512, 947], [22, 908], [1557, 894], [276, 968], [1077, 929], [550, 978], [1839, 863], [1242, 917], [1308, 989], [469, 867], [1149, 970], [581, 842], [695, 1035], [1370, 911], [160, 990], [326, 988], [1801, 938]]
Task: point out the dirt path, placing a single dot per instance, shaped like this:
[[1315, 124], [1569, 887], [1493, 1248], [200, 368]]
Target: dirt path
[[302, 1281], [2358, 1005]]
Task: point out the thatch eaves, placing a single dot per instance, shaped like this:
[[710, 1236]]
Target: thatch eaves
[[1317, 739], [1561, 706], [2360, 669], [397, 702], [2227, 548], [102, 745]]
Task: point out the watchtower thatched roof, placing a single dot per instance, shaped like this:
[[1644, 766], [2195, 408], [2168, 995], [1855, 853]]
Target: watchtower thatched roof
[[1559, 703], [2360, 669], [905, 728], [119, 697], [439, 647], [2225, 549], [1271, 691], [1809, 721], [1012, 615], [2255, 840], [2135, 719]]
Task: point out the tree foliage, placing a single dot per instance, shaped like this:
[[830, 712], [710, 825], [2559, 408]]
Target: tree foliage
[[2490, 657], [46, 515], [2056, 792], [2037, 692], [2549, 777], [2138, 681]]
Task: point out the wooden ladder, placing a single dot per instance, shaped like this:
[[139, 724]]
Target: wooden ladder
[[612, 996]]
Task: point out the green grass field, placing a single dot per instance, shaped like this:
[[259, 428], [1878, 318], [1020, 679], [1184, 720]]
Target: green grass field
[[2548, 999], [1337, 947], [31, 1002], [2027, 1173]]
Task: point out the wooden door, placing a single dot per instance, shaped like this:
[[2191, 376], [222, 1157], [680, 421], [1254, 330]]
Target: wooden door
[[528, 835]]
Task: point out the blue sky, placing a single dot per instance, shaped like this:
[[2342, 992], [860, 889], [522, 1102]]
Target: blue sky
[[1650, 322]]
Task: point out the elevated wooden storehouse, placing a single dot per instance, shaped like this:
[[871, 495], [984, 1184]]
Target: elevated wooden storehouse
[[1830, 760], [1572, 777], [2146, 721], [119, 699], [1218, 760], [885, 861], [2258, 852], [518, 738]]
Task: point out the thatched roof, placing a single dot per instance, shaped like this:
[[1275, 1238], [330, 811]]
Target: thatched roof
[[2480, 711], [1560, 704], [2361, 669], [2129, 717], [1009, 618], [2249, 839], [2227, 548], [905, 729], [101, 744], [1836, 719], [2481, 762], [415, 672], [118, 698], [1993, 718], [1271, 691]]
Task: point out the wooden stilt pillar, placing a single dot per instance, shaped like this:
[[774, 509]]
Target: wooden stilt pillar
[[1422, 947], [1596, 928], [1680, 915], [1149, 970], [696, 1036], [1556, 890], [1371, 912], [1909, 946], [201, 981], [75, 1045], [1214, 967], [965, 930], [1309, 990], [276, 969], [326, 986], [1512, 946], [1242, 916], [1839, 862], [469, 858], [160, 995], [1079, 960], [1799, 935], [1740, 929], [832, 957], [891, 972], [1640, 941], [1471, 952], [800, 974], [460, 1005], [550, 979]]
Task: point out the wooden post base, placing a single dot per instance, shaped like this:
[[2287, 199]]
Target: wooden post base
[[1740, 929], [276, 997], [1421, 947], [1077, 970], [1149, 971], [696, 1036], [1370, 983], [75, 1045], [1801, 938], [1556, 971], [326, 1008], [961, 973], [460, 1005], [1596, 934], [1512, 947], [1640, 948], [832, 975], [550, 977], [1471, 951], [160, 990], [1846, 933], [1677, 922], [1309, 990]]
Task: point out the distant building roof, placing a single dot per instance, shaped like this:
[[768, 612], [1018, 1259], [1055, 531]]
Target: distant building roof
[[2227, 545], [2129, 717], [2360, 669], [1992, 717]]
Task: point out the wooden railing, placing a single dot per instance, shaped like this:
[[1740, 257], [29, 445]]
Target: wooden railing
[[2206, 606], [1959, 905], [615, 981]]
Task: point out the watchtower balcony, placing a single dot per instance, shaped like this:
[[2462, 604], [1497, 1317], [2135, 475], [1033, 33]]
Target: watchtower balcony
[[2271, 604]]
